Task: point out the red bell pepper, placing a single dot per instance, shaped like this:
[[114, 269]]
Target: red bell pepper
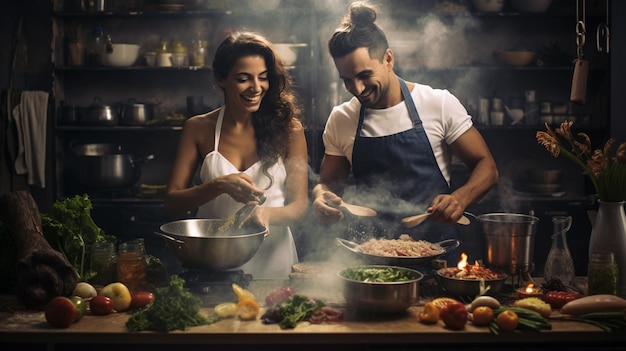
[[454, 315], [557, 299]]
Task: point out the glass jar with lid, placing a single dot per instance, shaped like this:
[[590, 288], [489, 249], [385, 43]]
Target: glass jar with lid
[[103, 263], [131, 265]]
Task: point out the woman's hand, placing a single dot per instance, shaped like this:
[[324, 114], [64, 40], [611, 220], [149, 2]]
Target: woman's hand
[[325, 208], [261, 217], [240, 187]]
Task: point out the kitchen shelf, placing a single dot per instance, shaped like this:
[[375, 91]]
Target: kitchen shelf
[[112, 129], [131, 68], [141, 14]]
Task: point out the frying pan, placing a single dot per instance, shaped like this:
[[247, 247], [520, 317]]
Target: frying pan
[[402, 261]]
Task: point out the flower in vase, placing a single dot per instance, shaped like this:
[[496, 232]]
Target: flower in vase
[[607, 173]]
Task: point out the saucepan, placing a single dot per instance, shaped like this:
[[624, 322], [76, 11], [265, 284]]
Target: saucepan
[[204, 244], [136, 113], [106, 165]]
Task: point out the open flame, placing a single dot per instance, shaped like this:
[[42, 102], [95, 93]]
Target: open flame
[[463, 262], [464, 265], [530, 288]]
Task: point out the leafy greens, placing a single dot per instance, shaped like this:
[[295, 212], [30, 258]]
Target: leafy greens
[[173, 308], [70, 230]]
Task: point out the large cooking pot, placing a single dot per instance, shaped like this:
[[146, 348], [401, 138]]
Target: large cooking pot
[[202, 244], [136, 114], [509, 241], [104, 165], [99, 114]]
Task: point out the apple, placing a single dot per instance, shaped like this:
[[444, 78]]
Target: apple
[[119, 294], [101, 305], [60, 312], [140, 299], [84, 290], [81, 306]]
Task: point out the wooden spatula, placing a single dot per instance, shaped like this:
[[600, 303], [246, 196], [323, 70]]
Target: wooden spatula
[[414, 221]]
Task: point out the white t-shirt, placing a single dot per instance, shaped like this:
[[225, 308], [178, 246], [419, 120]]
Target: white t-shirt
[[443, 116]]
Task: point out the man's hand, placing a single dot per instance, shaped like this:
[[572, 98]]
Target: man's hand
[[325, 208], [445, 209]]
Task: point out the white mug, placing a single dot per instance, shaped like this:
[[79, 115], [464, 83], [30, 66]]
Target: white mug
[[164, 59]]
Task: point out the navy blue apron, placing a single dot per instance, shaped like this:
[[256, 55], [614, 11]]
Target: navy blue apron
[[400, 175]]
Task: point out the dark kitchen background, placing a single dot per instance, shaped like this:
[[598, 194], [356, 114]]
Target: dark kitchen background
[[446, 44]]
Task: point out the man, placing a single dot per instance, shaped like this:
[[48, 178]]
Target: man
[[397, 138]]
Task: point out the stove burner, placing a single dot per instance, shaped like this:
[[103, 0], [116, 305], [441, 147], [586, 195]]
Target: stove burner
[[214, 287]]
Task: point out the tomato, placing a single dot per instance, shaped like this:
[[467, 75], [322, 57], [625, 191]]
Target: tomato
[[507, 320], [226, 309], [558, 299], [247, 309], [141, 299], [482, 315], [454, 315], [60, 312], [101, 305]]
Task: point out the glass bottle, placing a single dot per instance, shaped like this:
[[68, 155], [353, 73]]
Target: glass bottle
[[131, 265], [199, 52], [559, 264], [96, 47], [602, 274], [608, 233], [104, 263]]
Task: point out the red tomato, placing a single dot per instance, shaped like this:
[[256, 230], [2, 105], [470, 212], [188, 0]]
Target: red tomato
[[140, 299], [101, 305], [454, 315], [60, 312]]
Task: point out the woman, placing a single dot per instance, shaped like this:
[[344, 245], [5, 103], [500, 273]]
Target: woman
[[253, 145]]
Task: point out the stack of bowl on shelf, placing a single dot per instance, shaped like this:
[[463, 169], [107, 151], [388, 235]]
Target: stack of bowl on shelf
[[544, 180]]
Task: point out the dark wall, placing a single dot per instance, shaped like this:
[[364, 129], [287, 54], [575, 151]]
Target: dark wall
[[25, 64]]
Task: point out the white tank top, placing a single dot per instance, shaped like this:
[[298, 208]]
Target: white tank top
[[278, 252]]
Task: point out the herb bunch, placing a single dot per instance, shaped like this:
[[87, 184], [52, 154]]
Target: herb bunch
[[606, 172], [70, 230]]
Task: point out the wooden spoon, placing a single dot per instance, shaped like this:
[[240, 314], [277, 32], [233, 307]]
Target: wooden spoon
[[355, 210], [414, 221]]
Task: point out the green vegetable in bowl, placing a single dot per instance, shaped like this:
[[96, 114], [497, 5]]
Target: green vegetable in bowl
[[382, 274]]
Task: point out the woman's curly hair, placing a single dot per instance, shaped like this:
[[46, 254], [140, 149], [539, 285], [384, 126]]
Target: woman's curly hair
[[280, 106]]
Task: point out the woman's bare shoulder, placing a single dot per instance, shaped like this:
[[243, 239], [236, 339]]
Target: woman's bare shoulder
[[201, 124]]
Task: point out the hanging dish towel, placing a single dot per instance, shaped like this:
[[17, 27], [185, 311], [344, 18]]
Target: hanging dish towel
[[30, 117]]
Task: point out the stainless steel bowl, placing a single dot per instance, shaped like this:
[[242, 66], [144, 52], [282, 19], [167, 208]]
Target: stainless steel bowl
[[381, 297], [469, 287], [199, 243]]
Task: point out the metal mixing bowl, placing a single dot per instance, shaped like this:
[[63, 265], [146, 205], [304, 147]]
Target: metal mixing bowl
[[469, 287], [381, 297], [199, 243]]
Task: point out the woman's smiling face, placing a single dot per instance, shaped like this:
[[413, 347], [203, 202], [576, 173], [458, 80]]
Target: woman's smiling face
[[246, 84]]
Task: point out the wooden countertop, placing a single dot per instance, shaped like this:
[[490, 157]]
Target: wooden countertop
[[31, 327]]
